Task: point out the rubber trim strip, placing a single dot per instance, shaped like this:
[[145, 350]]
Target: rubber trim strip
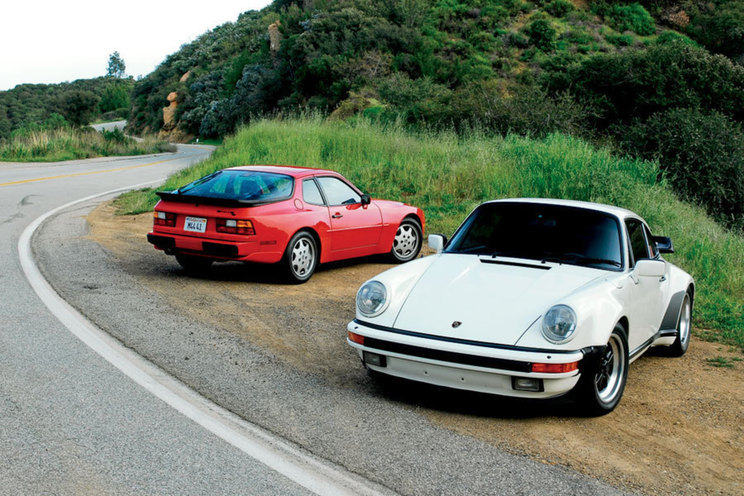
[[447, 356], [462, 341]]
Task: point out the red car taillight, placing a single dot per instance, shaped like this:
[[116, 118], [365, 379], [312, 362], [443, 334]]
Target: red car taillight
[[232, 226], [164, 219]]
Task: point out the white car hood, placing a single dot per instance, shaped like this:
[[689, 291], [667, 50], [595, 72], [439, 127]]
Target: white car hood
[[493, 302]]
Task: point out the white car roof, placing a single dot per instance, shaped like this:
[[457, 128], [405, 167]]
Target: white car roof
[[619, 212]]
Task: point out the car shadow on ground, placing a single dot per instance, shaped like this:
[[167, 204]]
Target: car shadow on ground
[[263, 273], [455, 401]]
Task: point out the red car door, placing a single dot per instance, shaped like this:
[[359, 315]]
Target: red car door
[[355, 228]]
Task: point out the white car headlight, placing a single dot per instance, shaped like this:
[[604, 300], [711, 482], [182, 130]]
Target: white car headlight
[[372, 299], [559, 324]]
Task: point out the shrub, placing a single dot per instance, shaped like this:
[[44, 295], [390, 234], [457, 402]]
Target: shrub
[[668, 37], [702, 155], [525, 110], [638, 83], [541, 34], [631, 17], [720, 28], [416, 100], [559, 8], [620, 39], [79, 106]]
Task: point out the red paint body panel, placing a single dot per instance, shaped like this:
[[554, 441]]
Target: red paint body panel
[[343, 231]]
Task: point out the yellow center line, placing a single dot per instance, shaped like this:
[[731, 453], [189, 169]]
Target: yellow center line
[[62, 176]]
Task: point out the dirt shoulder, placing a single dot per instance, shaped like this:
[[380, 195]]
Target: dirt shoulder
[[678, 429]]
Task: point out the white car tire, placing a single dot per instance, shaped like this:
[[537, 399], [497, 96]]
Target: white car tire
[[603, 382]]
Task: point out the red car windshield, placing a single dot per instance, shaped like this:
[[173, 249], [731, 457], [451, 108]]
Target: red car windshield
[[241, 185]]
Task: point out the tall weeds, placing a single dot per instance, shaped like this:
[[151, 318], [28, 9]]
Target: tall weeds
[[53, 145]]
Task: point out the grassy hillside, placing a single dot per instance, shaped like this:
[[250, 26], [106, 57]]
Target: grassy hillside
[[52, 145], [447, 174]]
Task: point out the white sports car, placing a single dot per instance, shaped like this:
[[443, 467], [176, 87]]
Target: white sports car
[[532, 298]]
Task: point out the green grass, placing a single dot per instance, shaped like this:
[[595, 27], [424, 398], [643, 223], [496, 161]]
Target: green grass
[[447, 176], [70, 144], [722, 362]]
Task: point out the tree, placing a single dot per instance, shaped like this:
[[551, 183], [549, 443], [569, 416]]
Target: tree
[[116, 66], [78, 106], [114, 97]]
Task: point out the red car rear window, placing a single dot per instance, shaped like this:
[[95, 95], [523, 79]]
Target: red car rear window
[[241, 185]]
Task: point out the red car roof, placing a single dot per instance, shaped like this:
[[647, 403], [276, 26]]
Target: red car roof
[[290, 170]]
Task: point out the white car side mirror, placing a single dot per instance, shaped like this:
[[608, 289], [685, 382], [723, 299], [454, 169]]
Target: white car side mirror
[[436, 242], [650, 268]]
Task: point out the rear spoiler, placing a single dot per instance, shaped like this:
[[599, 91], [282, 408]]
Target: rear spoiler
[[220, 202]]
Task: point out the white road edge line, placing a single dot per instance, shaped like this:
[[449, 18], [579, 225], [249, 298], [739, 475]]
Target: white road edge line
[[305, 469]]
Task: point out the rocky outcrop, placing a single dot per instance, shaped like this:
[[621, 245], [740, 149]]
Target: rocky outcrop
[[275, 37], [169, 112]]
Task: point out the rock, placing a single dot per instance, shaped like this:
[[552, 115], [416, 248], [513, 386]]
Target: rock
[[185, 77], [169, 112], [275, 37]]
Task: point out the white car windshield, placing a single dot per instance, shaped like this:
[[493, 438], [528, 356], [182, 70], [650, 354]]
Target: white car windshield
[[550, 233]]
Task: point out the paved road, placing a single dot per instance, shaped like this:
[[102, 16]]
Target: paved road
[[70, 423], [109, 126]]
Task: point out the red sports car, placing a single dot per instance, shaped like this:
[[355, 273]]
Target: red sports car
[[295, 216]]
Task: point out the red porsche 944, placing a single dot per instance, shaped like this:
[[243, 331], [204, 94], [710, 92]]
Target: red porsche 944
[[296, 217]]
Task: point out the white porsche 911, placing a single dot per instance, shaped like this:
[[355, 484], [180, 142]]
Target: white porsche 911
[[532, 298]]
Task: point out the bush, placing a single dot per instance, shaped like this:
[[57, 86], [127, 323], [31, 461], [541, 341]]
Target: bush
[[541, 34], [702, 155], [631, 17], [668, 37], [559, 8], [720, 28], [620, 39], [524, 110], [636, 84], [416, 100]]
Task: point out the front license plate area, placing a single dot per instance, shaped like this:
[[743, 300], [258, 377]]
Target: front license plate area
[[195, 224]]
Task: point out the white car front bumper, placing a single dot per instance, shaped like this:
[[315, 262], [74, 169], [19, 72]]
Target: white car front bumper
[[487, 369]]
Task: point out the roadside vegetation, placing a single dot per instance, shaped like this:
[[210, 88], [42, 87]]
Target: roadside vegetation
[[69, 143], [29, 106], [448, 173]]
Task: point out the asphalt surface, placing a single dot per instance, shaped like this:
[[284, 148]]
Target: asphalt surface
[[376, 436], [70, 423]]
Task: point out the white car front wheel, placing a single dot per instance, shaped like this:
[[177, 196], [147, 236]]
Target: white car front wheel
[[603, 381]]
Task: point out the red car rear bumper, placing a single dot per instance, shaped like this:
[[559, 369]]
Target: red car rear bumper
[[246, 251]]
